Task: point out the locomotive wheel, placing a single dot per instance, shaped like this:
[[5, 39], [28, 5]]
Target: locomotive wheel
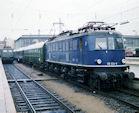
[[92, 83]]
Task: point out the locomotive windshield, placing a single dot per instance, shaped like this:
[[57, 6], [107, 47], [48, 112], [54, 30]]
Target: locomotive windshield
[[101, 43], [104, 43]]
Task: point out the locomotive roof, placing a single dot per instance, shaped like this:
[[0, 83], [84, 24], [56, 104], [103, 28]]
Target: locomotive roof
[[74, 35], [33, 46], [90, 28]]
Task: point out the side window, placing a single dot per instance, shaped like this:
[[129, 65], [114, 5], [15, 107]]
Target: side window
[[67, 45], [64, 46], [74, 44], [90, 41], [70, 45], [48, 47], [56, 46], [111, 43], [60, 46], [53, 46], [5, 51], [119, 43], [10, 50], [101, 43]]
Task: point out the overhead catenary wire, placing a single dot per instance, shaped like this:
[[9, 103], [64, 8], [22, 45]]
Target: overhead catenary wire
[[114, 15]]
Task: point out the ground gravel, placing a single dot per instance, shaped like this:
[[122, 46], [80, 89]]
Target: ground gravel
[[87, 101]]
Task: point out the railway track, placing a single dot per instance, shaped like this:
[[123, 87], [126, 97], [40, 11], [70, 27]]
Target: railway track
[[31, 96], [127, 97]]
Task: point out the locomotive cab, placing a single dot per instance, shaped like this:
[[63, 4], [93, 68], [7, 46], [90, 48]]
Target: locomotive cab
[[104, 55], [7, 55], [104, 49]]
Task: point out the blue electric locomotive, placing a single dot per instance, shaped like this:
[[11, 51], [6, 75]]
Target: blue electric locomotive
[[94, 55]]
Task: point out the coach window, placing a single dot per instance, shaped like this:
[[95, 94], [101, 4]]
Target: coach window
[[111, 43], [101, 43]]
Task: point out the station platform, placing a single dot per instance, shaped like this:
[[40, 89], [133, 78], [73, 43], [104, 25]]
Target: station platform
[[6, 100], [132, 60]]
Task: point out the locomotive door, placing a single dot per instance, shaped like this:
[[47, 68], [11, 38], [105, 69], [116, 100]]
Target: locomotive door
[[80, 51]]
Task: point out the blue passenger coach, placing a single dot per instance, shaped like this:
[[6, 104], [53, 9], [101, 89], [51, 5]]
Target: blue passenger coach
[[94, 54]]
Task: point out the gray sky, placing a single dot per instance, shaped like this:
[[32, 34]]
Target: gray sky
[[18, 17]]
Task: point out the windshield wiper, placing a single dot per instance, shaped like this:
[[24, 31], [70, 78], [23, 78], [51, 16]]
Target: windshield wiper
[[99, 46]]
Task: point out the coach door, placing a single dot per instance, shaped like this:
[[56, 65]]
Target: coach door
[[81, 51]]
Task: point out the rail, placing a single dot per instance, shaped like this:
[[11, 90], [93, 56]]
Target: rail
[[36, 96]]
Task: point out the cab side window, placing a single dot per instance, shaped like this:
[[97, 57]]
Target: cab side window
[[111, 43]]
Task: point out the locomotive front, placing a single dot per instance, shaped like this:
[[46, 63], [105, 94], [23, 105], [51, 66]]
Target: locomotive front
[[7, 55], [104, 49], [104, 56]]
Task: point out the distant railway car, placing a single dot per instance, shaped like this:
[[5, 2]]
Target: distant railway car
[[18, 54], [7, 55]]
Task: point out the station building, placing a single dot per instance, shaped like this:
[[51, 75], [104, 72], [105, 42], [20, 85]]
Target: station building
[[131, 43], [26, 40]]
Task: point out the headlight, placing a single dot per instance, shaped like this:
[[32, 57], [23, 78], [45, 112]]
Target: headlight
[[123, 61], [99, 61]]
